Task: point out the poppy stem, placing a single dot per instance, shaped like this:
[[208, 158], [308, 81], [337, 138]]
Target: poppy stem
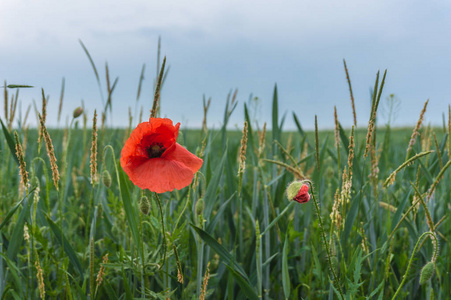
[[162, 229], [336, 280]]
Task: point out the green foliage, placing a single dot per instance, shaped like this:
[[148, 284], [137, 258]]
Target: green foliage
[[258, 244]]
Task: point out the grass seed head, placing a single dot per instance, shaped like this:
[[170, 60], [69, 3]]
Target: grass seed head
[[50, 152], [415, 132], [22, 166], [94, 150], [40, 278]]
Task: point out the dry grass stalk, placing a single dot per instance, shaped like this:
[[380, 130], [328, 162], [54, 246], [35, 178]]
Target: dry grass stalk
[[101, 273], [335, 215], [316, 142], [391, 179], [243, 148], [350, 91], [439, 154], [5, 93], [337, 130], [93, 163], [26, 116], [415, 132], [203, 291], [40, 278], [179, 265], [437, 180], [242, 163], [102, 124], [50, 152], [289, 142], [204, 121], [25, 139], [22, 166], [156, 99], [12, 111], [60, 107], [42, 117], [261, 141], [235, 93], [351, 151], [141, 115]]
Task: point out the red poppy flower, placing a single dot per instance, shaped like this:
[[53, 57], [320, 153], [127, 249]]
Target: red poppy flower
[[154, 160], [302, 196]]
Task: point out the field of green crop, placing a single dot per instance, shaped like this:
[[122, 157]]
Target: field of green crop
[[376, 225]]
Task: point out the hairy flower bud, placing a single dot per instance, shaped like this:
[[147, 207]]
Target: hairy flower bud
[[200, 206], [106, 178], [77, 112], [144, 205], [427, 272], [298, 191]]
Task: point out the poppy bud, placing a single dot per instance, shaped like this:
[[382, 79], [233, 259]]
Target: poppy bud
[[200, 206], [106, 178], [427, 272], [77, 112], [144, 205], [298, 191]]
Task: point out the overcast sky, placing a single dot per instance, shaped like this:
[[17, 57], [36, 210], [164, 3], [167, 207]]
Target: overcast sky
[[215, 46]]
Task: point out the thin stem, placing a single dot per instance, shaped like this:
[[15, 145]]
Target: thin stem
[[411, 259], [162, 227], [323, 235]]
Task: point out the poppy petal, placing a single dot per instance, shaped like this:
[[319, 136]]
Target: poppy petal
[[180, 154], [160, 175]]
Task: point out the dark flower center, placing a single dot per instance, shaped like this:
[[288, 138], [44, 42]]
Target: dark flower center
[[155, 150]]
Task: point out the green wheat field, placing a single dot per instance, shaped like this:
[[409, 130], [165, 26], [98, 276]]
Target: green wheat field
[[376, 227]]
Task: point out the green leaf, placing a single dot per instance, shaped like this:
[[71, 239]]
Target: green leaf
[[128, 207], [16, 238], [66, 246], [351, 216], [15, 273], [18, 86], [10, 141], [212, 187], [212, 224], [285, 274], [13, 210], [298, 125], [344, 138], [222, 252], [244, 284]]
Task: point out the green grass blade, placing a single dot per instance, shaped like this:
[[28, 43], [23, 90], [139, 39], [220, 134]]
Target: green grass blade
[[66, 246], [285, 274], [18, 86], [10, 141], [275, 116], [244, 285], [351, 215], [222, 252], [16, 238], [298, 125], [93, 67], [11, 212], [212, 187], [15, 273], [129, 209]]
